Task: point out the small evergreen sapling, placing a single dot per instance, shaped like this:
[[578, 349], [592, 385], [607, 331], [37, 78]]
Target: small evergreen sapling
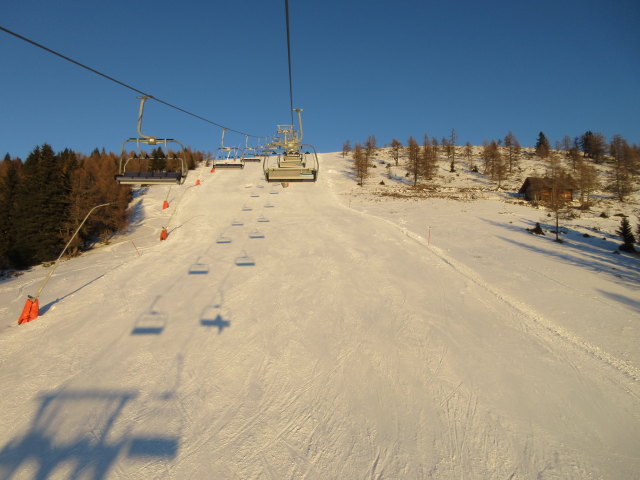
[[627, 236]]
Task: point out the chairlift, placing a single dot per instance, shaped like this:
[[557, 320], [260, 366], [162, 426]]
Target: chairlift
[[228, 157], [294, 163], [292, 166], [250, 154], [155, 170]]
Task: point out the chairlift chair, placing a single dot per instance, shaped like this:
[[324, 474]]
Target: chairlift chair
[[228, 157], [294, 163], [155, 171], [301, 167], [250, 154]]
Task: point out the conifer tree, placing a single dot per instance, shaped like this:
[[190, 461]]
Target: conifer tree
[[513, 149], [593, 145], [499, 168], [542, 146], [561, 183], [360, 164], [435, 146], [627, 236], [453, 138], [396, 145], [346, 148], [622, 184], [10, 176], [158, 160], [587, 179], [413, 154], [41, 205], [468, 155], [490, 155], [428, 163], [370, 147]]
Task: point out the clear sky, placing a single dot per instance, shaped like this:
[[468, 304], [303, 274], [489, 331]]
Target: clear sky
[[360, 67]]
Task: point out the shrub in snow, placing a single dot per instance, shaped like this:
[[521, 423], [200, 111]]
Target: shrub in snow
[[537, 229]]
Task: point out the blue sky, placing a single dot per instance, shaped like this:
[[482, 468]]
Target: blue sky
[[383, 68]]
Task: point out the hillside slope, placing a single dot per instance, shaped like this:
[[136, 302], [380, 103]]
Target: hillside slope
[[303, 333]]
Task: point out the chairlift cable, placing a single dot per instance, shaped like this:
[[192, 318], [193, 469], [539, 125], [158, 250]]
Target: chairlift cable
[[175, 107], [286, 8]]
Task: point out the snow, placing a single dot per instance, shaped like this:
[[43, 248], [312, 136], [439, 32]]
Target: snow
[[325, 331]]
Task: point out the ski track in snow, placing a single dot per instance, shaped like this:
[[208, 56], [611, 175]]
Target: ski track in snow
[[529, 313], [327, 347], [534, 318]]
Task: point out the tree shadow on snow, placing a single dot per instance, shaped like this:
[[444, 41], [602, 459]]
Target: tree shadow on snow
[[630, 302], [593, 253]]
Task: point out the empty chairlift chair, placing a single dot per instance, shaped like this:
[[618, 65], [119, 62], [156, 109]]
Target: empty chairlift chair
[[292, 166], [161, 168], [294, 163], [228, 157], [250, 154]]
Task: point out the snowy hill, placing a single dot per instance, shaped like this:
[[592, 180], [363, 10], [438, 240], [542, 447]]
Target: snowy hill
[[321, 331]]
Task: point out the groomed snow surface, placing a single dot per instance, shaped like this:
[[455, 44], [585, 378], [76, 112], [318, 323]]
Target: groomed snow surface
[[310, 333]]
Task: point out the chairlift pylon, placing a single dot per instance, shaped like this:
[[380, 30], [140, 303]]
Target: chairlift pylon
[[155, 172]]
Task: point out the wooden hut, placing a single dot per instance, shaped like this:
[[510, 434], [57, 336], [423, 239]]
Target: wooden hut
[[538, 189]]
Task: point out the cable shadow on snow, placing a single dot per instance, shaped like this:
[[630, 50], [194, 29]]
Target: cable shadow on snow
[[72, 435], [45, 308]]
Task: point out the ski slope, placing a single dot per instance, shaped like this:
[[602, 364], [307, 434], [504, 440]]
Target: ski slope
[[302, 333]]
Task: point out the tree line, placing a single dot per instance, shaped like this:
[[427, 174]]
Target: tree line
[[571, 166], [573, 159], [44, 199]]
